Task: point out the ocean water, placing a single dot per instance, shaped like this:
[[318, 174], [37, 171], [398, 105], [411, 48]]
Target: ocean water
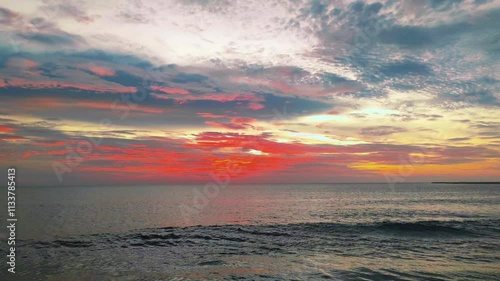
[[258, 232]]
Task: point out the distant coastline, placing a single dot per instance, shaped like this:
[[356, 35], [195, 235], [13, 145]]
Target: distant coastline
[[465, 182]]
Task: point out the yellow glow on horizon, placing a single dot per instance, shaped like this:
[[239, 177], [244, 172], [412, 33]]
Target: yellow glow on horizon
[[407, 169]]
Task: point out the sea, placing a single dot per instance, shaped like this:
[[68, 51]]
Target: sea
[[412, 231]]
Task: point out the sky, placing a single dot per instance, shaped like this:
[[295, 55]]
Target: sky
[[192, 91]]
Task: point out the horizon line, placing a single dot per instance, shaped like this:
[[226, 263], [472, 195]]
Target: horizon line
[[260, 183]]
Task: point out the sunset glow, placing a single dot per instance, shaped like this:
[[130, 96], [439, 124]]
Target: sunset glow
[[173, 91]]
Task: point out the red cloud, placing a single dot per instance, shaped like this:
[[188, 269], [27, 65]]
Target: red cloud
[[53, 143], [102, 71], [6, 129], [255, 106], [161, 159], [144, 161], [210, 115], [242, 120], [155, 158], [98, 70]]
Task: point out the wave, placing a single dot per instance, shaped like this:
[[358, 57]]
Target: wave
[[308, 251], [424, 227], [301, 233], [429, 228]]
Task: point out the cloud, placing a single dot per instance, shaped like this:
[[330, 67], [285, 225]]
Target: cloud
[[229, 126], [6, 129], [405, 68], [210, 115], [255, 106], [68, 103], [8, 17], [382, 131], [174, 91], [235, 123], [188, 78], [459, 139], [100, 70], [251, 101], [68, 9], [49, 39], [50, 84], [408, 36]]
